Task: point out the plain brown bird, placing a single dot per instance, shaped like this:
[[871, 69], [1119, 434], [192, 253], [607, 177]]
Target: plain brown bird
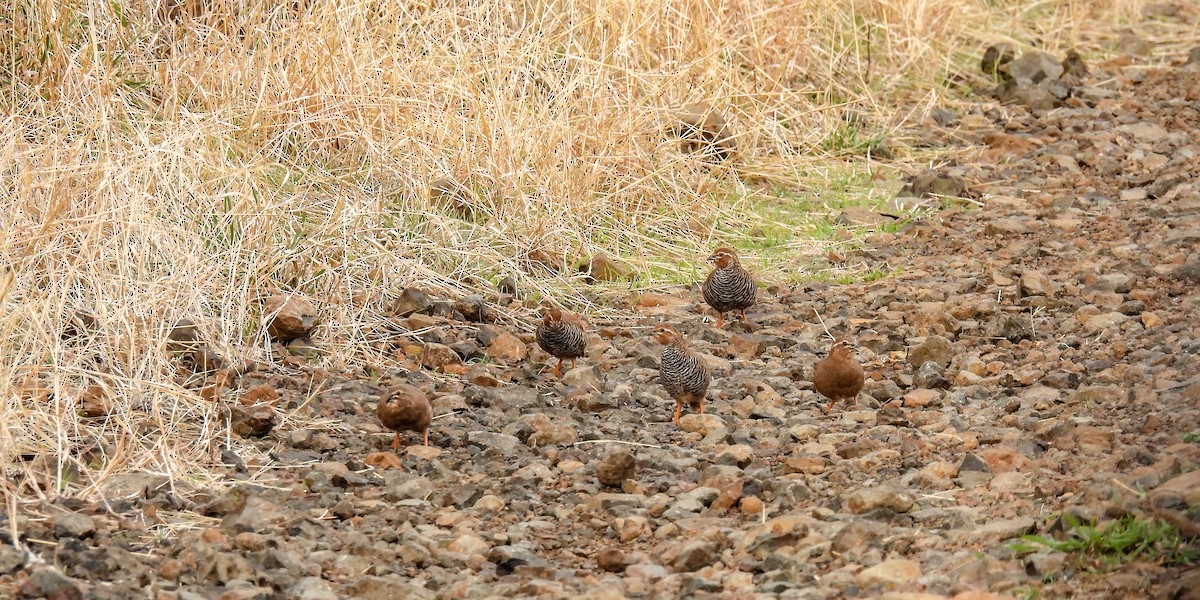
[[681, 370], [839, 376], [561, 335], [405, 408], [729, 286]]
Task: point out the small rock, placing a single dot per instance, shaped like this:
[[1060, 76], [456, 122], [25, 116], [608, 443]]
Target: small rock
[[856, 536], [1023, 92], [439, 356], [996, 56], [921, 398], [468, 544], [933, 183], [1104, 321], [695, 555], [423, 452], [931, 375], [611, 559], [1035, 66], [738, 455], [1151, 321], [889, 574], [252, 421], [1186, 486], [1000, 530], [970, 462], [504, 443], [312, 588], [11, 559], [746, 346], [943, 117], [94, 402], [1036, 283], [935, 348], [1074, 66], [473, 308], [616, 467], [1006, 226], [489, 503], [554, 434], [1193, 56], [50, 583], [858, 216], [411, 301], [868, 499], [702, 424], [449, 194], [507, 286], [585, 378], [602, 267], [183, 337], [1130, 43], [507, 348], [289, 317], [74, 525], [704, 131]]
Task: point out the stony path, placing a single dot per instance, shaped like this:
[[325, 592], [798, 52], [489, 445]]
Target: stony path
[[1033, 356]]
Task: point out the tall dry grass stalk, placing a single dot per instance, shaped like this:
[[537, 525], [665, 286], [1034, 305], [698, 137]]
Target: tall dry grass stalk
[[167, 160]]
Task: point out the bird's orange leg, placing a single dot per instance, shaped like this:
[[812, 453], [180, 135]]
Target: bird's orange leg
[[557, 368], [830, 407], [426, 437], [744, 316], [720, 319], [572, 364], [678, 409], [396, 441], [701, 407]]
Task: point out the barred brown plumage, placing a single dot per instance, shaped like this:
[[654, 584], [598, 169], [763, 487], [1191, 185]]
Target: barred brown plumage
[[839, 375], [405, 408], [684, 373], [729, 286], [561, 336]]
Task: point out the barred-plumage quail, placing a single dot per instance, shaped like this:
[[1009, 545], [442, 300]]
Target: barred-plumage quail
[[405, 408], [838, 375], [561, 335], [681, 370], [729, 286]]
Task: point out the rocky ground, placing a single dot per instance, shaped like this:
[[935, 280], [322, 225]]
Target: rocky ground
[[1034, 355]]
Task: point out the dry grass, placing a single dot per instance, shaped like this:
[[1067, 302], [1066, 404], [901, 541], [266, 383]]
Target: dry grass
[[159, 164]]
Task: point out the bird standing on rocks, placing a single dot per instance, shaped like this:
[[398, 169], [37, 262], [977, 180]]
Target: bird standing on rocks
[[729, 286], [681, 370], [561, 335], [838, 375], [406, 408]]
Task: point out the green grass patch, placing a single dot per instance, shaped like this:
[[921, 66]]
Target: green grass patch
[[1127, 539], [1191, 437]]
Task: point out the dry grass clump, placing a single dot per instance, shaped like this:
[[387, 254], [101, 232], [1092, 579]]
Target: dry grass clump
[[182, 158]]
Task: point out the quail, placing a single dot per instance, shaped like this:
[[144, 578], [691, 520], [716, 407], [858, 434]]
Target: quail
[[681, 370], [838, 376], [561, 335], [405, 408], [730, 286]]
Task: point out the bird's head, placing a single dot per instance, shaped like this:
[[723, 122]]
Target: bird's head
[[552, 316], [723, 257], [665, 334], [843, 347]]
